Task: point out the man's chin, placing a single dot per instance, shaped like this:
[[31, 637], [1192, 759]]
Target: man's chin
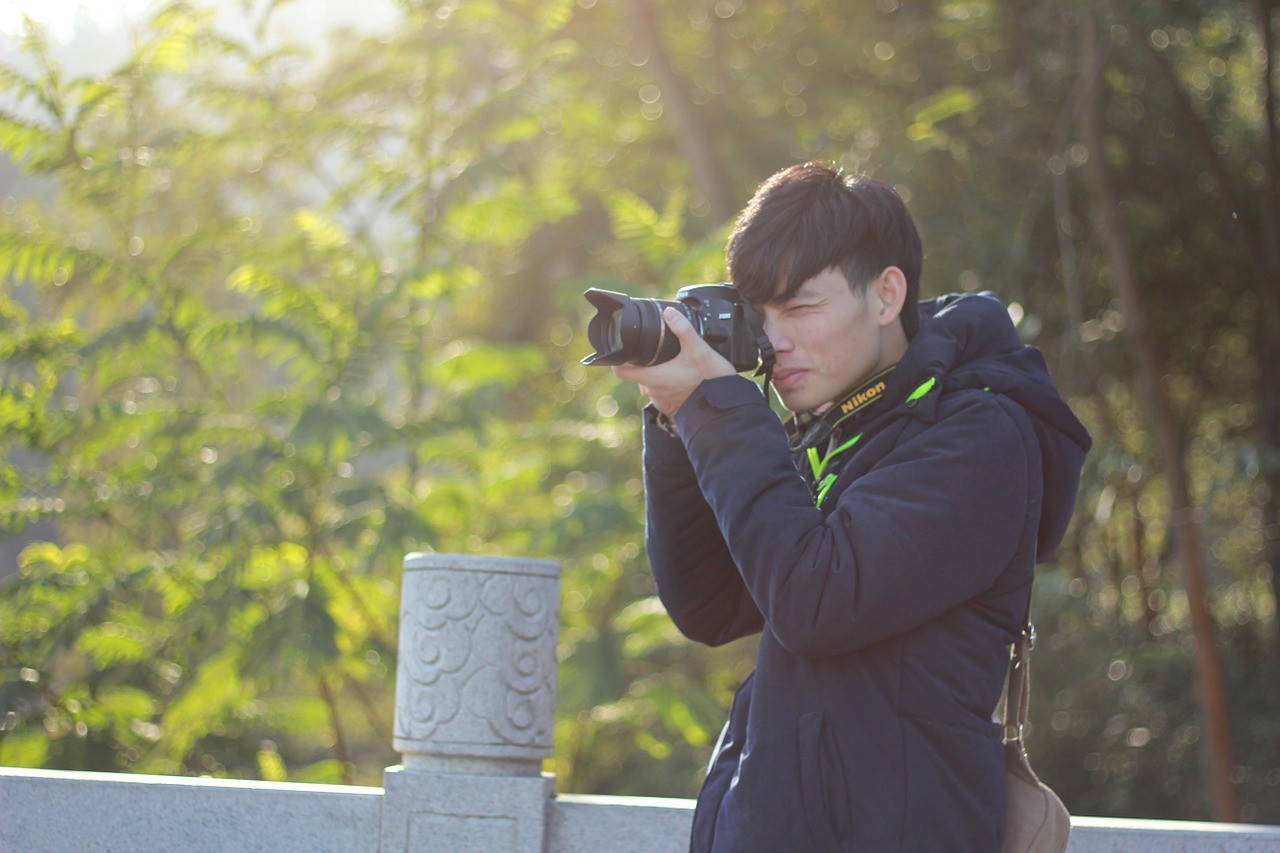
[[794, 403]]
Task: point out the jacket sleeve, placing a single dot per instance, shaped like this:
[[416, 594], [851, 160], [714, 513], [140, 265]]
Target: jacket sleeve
[[697, 580], [930, 526]]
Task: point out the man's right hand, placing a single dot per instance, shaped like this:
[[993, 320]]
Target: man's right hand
[[669, 384]]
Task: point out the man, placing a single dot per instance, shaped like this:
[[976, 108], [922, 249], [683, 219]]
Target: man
[[882, 542]]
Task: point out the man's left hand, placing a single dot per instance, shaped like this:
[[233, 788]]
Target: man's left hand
[[671, 383]]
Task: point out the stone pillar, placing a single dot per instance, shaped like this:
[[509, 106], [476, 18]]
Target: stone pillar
[[475, 705]]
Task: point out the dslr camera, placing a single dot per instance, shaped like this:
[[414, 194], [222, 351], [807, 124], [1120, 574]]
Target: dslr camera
[[628, 330]]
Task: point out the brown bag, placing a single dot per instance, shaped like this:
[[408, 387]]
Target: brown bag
[[1035, 819]]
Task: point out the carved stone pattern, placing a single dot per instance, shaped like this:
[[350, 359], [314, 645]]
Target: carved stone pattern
[[479, 662]]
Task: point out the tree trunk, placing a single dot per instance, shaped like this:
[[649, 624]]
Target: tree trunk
[[1184, 517], [1258, 225], [693, 133], [1270, 371], [340, 751]]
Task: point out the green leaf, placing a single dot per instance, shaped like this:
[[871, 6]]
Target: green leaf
[[20, 139], [321, 232], [655, 237], [119, 705], [271, 766], [509, 217], [948, 103], [469, 367], [203, 704], [646, 628], [927, 114], [113, 643], [23, 748], [327, 772]]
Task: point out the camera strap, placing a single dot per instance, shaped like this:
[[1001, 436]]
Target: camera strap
[[767, 356], [807, 430]]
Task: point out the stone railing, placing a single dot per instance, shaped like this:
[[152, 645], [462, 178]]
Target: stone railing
[[475, 704], [475, 699]]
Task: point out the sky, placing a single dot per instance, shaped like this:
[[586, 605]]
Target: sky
[[309, 20], [59, 15]]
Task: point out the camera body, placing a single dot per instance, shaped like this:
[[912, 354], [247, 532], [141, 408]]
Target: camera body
[[628, 330]]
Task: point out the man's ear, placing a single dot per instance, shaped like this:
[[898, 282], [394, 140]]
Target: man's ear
[[891, 290]]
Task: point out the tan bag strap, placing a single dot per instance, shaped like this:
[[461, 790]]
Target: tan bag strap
[[1018, 692]]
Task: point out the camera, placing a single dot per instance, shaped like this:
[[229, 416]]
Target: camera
[[628, 330]]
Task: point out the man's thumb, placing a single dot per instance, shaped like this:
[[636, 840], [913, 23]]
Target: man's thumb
[[678, 323]]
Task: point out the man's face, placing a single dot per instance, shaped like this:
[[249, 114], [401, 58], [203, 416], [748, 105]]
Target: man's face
[[828, 340]]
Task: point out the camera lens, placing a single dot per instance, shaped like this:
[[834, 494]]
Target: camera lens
[[610, 333], [632, 331], [629, 331]]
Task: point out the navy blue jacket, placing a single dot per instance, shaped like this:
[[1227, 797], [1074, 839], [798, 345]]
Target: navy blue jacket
[[886, 613]]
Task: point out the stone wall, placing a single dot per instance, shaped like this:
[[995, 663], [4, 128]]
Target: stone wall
[[475, 703], [45, 811]]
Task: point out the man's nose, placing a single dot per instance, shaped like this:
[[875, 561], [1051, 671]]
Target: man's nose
[[777, 336]]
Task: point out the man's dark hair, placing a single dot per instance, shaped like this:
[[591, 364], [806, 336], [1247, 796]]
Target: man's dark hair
[[811, 217]]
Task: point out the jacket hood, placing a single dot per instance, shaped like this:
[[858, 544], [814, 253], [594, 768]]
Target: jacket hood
[[968, 341]]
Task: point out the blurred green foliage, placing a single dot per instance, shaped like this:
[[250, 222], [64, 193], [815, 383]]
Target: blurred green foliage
[[283, 317]]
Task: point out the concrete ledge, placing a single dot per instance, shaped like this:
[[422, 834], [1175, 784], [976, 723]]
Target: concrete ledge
[[56, 811], [1108, 834], [50, 810], [589, 824]]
